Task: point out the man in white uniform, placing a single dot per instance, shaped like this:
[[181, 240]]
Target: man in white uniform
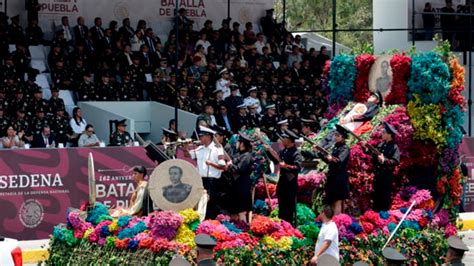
[[210, 164], [252, 99], [223, 83], [328, 239]]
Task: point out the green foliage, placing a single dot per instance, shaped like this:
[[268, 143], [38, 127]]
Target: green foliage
[[304, 15]]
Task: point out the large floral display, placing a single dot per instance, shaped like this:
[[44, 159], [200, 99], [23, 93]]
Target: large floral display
[[425, 106]]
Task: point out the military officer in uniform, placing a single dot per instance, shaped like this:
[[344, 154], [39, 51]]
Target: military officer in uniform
[[4, 122], [19, 103], [270, 120], [204, 251], [39, 122], [128, 89], [241, 121], [21, 124], [290, 161], [282, 126], [210, 163], [106, 89], [308, 127], [120, 137], [252, 99], [87, 89], [55, 103], [384, 167], [155, 89], [178, 191], [169, 136], [233, 100], [393, 257], [60, 127], [183, 100], [253, 117], [456, 251], [38, 103]]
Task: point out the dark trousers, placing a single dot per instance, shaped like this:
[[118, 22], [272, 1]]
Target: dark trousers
[[382, 192], [210, 185], [286, 193]]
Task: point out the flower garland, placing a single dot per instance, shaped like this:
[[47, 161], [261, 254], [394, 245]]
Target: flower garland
[[400, 64], [457, 83], [341, 78], [363, 64], [429, 78], [427, 122]]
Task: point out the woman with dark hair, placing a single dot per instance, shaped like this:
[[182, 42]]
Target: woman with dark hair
[[137, 198], [241, 168], [12, 140], [78, 125]]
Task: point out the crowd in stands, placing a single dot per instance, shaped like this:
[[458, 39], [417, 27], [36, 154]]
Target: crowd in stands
[[233, 76], [454, 23]]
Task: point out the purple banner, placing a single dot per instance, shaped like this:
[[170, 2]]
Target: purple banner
[[37, 186]]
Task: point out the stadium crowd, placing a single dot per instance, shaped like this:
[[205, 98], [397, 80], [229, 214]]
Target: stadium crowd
[[231, 75]]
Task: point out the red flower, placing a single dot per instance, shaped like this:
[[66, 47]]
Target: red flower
[[423, 222], [121, 244], [363, 64], [400, 64]]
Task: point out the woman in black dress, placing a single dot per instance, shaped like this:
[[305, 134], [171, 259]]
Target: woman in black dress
[[241, 168], [337, 181]]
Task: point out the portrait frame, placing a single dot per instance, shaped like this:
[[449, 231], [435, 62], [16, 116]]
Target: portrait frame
[[376, 77], [160, 179]]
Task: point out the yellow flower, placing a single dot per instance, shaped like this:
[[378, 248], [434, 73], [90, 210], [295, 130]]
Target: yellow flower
[[285, 243], [189, 216], [269, 242], [185, 236], [113, 226], [88, 232]]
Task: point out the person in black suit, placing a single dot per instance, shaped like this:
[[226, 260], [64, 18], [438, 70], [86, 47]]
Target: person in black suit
[[45, 139], [126, 31], [80, 31], [223, 118], [97, 32]]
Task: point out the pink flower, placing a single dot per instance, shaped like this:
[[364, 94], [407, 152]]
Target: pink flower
[[342, 220], [450, 230]]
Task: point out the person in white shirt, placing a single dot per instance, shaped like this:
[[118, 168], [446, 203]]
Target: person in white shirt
[[204, 42], [78, 125], [328, 239], [210, 164], [66, 29], [88, 138], [223, 84], [260, 43], [252, 99]]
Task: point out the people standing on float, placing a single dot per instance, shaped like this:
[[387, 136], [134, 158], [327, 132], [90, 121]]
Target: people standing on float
[[290, 161], [337, 181], [385, 164], [241, 169], [210, 163]]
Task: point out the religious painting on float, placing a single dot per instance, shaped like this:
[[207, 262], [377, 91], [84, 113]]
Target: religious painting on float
[[175, 185]]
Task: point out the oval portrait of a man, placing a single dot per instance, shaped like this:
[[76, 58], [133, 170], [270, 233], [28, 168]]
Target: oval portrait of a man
[[175, 185], [380, 76]]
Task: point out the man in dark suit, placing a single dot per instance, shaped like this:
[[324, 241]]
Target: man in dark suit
[[97, 32], [45, 139], [223, 118], [80, 30]]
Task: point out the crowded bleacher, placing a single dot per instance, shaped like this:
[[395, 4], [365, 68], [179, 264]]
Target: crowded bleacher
[[234, 76]]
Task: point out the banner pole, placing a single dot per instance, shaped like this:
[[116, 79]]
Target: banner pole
[[400, 223]]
